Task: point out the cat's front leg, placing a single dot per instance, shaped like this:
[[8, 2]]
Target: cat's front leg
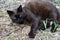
[[34, 28]]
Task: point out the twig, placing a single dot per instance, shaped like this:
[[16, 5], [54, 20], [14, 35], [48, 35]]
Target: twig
[[11, 32]]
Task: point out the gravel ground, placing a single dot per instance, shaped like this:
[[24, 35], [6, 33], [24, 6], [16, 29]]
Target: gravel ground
[[16, 31]]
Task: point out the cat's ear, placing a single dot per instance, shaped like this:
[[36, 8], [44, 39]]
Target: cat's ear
[[19, 9], [10, 12]]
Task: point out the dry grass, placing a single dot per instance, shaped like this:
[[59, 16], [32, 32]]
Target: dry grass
[[20, 32]]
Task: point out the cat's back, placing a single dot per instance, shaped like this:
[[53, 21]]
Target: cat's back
[[39, 7]]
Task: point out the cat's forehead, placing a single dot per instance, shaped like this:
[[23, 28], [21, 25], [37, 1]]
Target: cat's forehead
[[16, 11]]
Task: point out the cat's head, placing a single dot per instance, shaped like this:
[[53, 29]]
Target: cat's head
[[17, 16]]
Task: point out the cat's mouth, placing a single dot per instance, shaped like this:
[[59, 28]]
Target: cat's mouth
[[19, 21]]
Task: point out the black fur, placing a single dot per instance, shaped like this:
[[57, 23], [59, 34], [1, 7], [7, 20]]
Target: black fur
[[33, 14]]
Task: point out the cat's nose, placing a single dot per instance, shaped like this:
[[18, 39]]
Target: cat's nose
[[21, 21]]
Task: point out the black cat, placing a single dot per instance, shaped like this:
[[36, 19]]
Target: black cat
[[33, 14]]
